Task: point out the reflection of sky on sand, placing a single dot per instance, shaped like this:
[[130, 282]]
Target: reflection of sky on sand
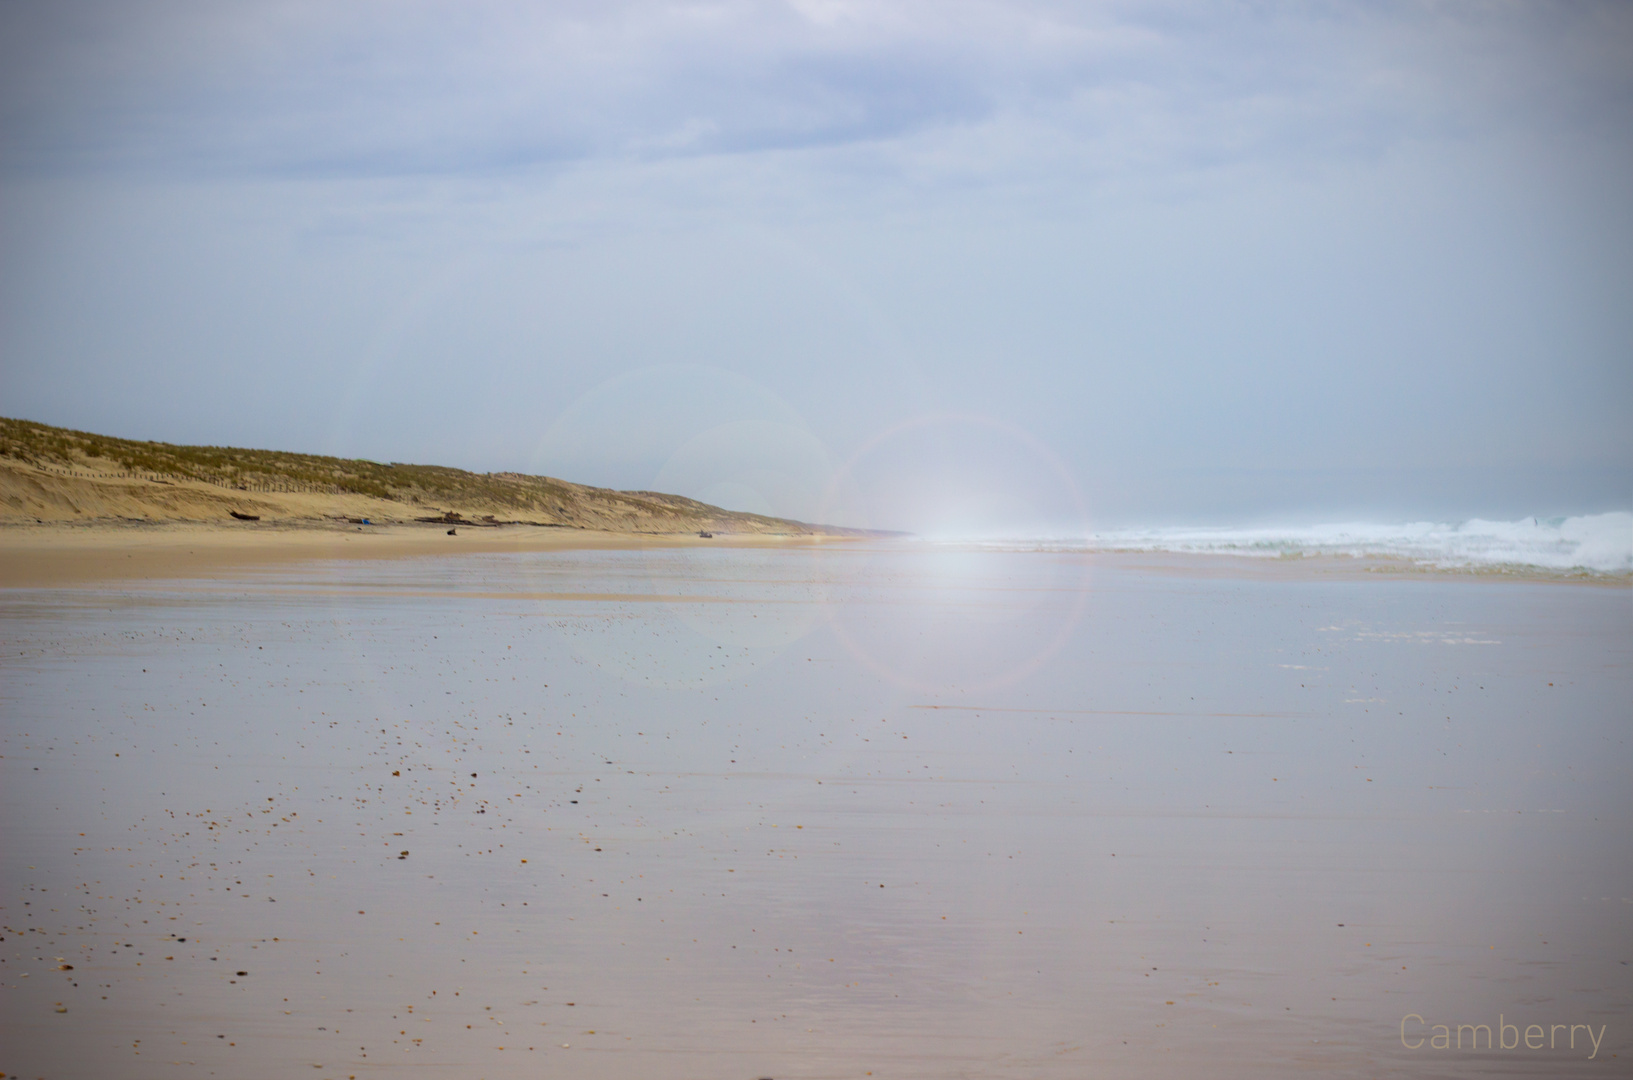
[[951, 621], [663, 616], [1182, 805]]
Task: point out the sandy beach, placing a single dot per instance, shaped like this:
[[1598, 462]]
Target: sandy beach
[[616, 807], [65, 554], [816, 541]]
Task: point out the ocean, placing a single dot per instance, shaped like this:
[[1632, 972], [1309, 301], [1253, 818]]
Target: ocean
[[1589, 543]]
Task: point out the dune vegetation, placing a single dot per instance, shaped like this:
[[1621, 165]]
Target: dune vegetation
[[57, 474]]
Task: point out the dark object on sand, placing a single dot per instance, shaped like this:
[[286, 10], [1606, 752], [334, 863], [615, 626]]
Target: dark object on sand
[[244, 517], [453, 517], [451, 532], [706, 535]]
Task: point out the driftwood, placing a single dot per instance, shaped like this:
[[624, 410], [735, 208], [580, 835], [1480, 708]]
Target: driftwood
[[244, 517], [453, 517], [486, 521]]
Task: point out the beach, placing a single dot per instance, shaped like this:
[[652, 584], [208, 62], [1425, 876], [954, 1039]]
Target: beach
[[67, 554], [816, 541], [334, 802]]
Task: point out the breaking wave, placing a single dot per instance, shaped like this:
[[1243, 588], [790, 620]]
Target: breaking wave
[[1599, 543]]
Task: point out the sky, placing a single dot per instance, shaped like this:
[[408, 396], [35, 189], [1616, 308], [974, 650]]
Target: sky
[[957, 267]]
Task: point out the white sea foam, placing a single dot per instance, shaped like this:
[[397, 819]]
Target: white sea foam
[[1601, 543]]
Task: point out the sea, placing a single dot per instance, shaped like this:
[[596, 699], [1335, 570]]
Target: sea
[[1589, 543]]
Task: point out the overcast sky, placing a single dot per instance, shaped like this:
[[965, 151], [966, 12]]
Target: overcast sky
[[935, 265]]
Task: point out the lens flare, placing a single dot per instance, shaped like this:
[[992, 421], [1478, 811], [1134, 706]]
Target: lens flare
[[955, 479]]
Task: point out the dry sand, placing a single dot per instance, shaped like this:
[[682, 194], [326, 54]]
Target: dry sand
[[66, 554], [81, 488], [85, 494]]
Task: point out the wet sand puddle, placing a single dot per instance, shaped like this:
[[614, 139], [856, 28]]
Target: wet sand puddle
[[791, 814]]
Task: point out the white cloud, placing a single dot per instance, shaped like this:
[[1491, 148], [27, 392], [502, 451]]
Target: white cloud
[[1284, 241], [416, 88]]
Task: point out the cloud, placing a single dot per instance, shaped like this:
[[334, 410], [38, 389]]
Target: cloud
[[394, 89], [1158, 237]]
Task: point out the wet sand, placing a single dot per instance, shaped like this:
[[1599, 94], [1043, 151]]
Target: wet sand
[[810, 811]]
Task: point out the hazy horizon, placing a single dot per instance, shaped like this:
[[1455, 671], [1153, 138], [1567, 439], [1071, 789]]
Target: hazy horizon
[[970, 266]]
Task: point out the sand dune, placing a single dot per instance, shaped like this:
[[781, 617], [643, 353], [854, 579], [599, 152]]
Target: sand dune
[[53, 475]]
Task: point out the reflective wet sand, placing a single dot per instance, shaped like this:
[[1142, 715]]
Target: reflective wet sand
[[859, 810]]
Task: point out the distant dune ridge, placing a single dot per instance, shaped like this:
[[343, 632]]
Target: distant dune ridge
[[51, 474]]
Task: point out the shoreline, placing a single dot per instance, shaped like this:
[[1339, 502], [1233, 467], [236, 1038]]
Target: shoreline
[[51, 555], [55, 555]]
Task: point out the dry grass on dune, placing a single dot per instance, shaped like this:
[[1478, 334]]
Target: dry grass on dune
[[52, 474]]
